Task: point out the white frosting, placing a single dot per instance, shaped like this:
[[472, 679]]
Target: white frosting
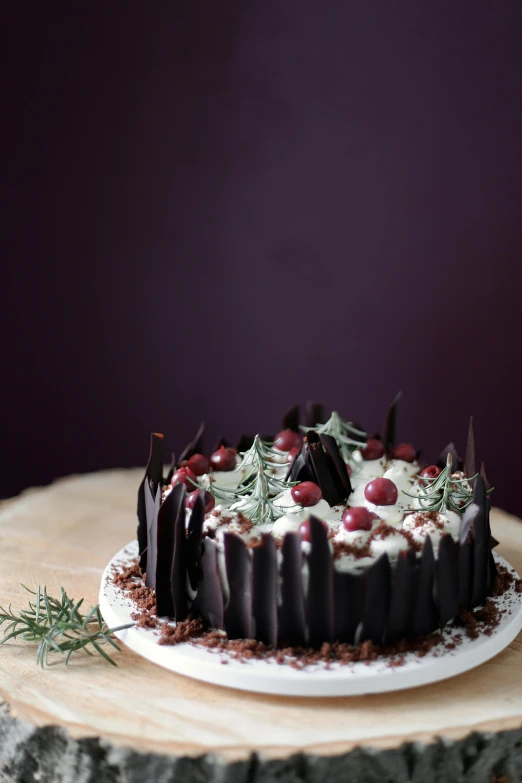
[[421, 525]]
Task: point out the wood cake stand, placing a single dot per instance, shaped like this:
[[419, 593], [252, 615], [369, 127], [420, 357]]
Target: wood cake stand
[[137, 722]]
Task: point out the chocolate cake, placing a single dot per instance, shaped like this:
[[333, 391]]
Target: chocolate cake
[[319, 535]]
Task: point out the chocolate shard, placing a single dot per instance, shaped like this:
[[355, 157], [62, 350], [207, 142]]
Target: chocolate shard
[[238, 611], [167, 516], [400, 615], [494, 542], [193, 544], [244, 443], [264, 590], [483, 474], [349, 594], [469, 459], [153, 472], [341, 471], [447, 579], [321, 464], [456, 461], [291, 418], [208, 603], [301, 468], [425, 614], [377, 603], [482, 544], [389, 430], [152, 506], [292, 624], [466, 557], [314, 414], [178, 578], [195, 446], [319, 605]]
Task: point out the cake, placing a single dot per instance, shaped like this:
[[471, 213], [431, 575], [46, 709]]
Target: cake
[[320, 534]]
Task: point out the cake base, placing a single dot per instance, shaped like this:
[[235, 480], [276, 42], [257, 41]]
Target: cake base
[[267, 676]]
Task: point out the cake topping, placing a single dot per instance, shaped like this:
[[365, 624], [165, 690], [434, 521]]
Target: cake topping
[[208, 500], [184, 476], [404, 451], [224, 459], [286, 440], [358, 518], [307, 493], [304, 529], [374, 449], [198, 464], [432, 471], [381, 492]]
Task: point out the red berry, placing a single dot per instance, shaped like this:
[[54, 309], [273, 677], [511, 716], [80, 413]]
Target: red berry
[[224, 459], [307, 493], [404, 451], [286, 440], [184, 476], [373, 449], [198, 464], [432, 471], [304, 530], [208, 498], [381, 492], [358, 518], [292, 454]]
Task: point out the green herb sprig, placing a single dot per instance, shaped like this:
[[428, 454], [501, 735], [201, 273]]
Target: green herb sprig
[[58, 625], [445, 492], [348, 436]]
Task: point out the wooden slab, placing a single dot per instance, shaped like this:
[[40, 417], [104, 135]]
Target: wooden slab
[[65, 534]]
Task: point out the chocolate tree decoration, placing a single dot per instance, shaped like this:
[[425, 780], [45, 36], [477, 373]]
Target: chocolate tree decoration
[[152, 506], [447, 579], [469, 459], [291, 419], [154, 473], [264, 590], [445, 493], [347, 435], [482, 543], [319, 605], [238, 611], [193, 543], [195, 446], [208, 603], [348, 605], [170, 510], [442, 459], [425, 614], [400, 616], [389, 430], [314, 414], [292, 625], [377, 604]]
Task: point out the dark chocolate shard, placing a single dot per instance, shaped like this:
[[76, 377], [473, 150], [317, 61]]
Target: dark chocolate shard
[[300, 469], [494, 542], [193, 544], [389, 430], [238, 611], [141, 532], [321, 464], [469, 459], [292, 624], [442, 459], [195, 446], [178, 577], [447, 580], [155, 464], [377, 602], [338, 463], [483, 474], [425, 615], [264, 590], [400, 615], [314, 414], [349, 592], [482, 544], [152, 506], [208, 603], [291, 419], [154, 472], [244, 443], [167, 516], [465, 573], [466, 523], [492, 573], [319, 604]]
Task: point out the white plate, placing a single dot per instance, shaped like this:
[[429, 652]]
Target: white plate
[[337, 680]]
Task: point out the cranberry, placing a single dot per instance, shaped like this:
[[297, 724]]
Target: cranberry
[[358, 518], [404, 451], [431, 472], [208, 498], [184, 476], [292, 454], [304, 530], [198, 464], [374, 449], [286, 440], [224, 459], [307, 493], [381, 492]]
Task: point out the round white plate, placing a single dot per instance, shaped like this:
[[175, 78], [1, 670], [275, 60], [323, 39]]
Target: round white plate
[[338, 680]]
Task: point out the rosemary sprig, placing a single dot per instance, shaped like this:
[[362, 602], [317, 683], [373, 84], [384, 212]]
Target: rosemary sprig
[[348, 436], [58, 625], [445, 492]]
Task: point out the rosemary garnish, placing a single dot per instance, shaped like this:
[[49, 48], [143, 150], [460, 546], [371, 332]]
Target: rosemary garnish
[[348, 436], [59, 626], [445, 492]]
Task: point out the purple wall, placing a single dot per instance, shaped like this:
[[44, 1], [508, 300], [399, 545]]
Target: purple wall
[[215, 213]]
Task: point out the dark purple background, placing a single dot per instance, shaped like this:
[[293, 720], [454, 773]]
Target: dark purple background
[[214, 210]]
